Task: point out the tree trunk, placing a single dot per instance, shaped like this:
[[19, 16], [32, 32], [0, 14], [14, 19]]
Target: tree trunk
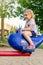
[[2, 28]]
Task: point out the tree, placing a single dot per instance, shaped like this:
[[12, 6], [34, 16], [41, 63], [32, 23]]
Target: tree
[[36, 6], [7, 9]]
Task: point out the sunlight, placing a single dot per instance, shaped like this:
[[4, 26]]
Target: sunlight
[[15, 22]]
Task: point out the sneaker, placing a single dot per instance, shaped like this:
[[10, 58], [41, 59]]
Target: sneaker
[[31, 47]]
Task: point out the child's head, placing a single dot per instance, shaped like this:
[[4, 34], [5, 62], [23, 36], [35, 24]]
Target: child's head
[[28, 14]]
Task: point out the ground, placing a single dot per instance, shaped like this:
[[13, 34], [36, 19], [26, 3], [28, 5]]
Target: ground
[[35, 59]]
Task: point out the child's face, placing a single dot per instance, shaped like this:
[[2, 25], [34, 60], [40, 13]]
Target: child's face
[[27, 16]]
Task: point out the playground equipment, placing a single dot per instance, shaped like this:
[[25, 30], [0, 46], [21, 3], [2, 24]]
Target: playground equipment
[[18, 42], [13, 53]]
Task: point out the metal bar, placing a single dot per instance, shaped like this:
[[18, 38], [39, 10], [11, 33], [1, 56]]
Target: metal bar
[[13, 53]]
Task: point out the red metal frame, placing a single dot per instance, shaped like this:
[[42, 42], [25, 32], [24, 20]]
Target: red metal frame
[[13, 53]]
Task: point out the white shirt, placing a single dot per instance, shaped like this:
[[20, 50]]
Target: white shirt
[[32, 22]]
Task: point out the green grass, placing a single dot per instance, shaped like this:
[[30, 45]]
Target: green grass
[[4, 43], [41, 46], [3, 40]]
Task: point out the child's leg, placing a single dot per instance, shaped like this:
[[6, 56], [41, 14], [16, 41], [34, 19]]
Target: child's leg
[[27, 36]]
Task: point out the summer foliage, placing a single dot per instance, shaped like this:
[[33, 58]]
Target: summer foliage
[[7, 9], [36, 6]]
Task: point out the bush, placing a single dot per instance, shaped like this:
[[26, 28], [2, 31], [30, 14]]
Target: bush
[[13, 30]]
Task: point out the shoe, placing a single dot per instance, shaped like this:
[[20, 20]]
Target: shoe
[[31, 47]]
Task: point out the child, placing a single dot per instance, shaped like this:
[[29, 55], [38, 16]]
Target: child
[[30, 27]]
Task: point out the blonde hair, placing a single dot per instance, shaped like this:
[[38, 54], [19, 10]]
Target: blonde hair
[[29, 10]]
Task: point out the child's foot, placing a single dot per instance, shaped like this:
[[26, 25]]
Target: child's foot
[[31, 46]]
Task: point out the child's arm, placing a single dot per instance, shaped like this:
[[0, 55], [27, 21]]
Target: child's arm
[[28, 28]]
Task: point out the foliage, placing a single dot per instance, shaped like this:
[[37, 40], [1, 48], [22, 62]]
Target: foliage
[[7, 8], [36, 6], [6, 32], [3, 40], [13, 30]]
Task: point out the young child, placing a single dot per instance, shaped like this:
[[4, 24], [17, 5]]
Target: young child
[[30, 27]]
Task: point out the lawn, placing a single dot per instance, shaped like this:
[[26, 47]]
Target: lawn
[[41, 46], [4, 43], [3, 40]]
